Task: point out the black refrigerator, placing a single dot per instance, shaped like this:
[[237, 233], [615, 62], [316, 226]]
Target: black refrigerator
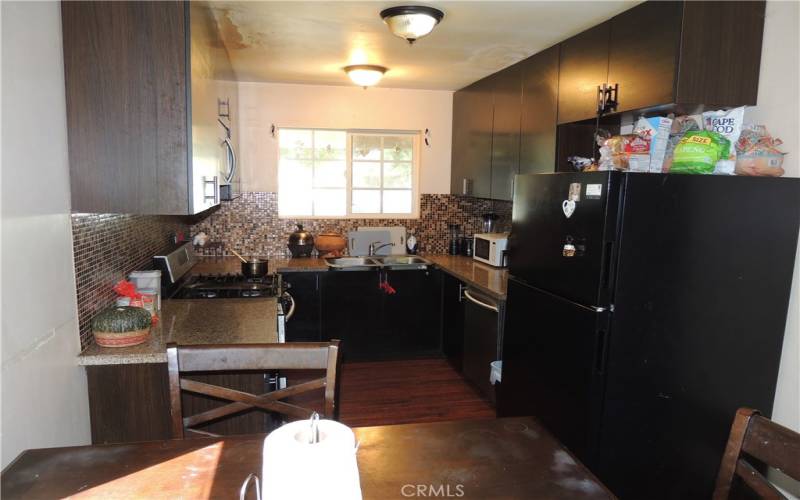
[[643, 310]]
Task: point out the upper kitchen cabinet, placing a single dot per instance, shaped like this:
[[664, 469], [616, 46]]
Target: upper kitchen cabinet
[[143, 85], [678, 55], [645, 66], [507, 91], [473, 111], [583, 66], [539, 111]]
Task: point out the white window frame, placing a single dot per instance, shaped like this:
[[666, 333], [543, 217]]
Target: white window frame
[[415, 168]]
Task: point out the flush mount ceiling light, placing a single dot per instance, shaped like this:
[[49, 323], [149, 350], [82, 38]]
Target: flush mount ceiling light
[[411, 22], [365, 75]]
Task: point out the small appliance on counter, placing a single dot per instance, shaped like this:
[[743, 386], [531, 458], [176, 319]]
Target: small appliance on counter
[[454, 241], [490, 222], [301, 242], [491, 248]]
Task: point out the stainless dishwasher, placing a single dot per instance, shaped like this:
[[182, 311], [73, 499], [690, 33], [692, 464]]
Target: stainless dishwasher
[[482, 330]]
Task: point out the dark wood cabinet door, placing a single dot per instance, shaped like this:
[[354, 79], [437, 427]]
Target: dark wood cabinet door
[[352, 312], [644, 62], [304, 326], [452, 320], [472, 140], [507, 92], [583, 66], [537, 153], [720, 66], [126, 95]]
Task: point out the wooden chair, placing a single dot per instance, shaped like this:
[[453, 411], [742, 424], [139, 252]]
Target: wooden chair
[[753, 436], [240, 357]]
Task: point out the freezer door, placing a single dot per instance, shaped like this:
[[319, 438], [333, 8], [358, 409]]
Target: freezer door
[[563, 232], [553, 365]]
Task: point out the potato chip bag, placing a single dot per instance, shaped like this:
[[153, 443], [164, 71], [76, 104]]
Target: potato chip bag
[[698, 152]]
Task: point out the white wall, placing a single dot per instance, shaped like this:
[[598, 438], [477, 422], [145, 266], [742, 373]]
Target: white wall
[[317, 106], [44, 398], [779, 109]]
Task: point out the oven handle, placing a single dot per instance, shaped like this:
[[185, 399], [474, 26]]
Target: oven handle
[[291, 307], [491, 307]]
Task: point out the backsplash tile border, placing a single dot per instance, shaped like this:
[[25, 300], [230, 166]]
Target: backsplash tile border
[[250, 224]]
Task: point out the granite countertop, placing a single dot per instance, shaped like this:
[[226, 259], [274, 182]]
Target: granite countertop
[[187, 322], [228, 264], [488, 279]]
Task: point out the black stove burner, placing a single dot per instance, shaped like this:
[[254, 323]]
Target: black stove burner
[[226, 286]]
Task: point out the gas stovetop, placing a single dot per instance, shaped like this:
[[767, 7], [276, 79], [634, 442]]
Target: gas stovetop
[[228, 286]]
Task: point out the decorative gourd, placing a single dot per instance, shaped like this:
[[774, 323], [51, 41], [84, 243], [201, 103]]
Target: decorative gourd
[[121, 326]]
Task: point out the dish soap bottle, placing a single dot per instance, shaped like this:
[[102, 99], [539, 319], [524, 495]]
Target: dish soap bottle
[[411, 244]]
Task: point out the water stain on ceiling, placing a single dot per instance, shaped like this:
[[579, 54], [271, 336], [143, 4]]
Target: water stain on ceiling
[[310, 42]]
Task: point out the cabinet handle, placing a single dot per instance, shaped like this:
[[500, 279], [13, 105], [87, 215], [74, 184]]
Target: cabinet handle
[[466, 187], [485, 305], [231, 154]]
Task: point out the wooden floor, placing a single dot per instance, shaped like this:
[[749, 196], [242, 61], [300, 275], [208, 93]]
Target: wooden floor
[[401, 392]]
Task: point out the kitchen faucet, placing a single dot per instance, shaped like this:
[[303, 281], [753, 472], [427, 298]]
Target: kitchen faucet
[[373, 248]]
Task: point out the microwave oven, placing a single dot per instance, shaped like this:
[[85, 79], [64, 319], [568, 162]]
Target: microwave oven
[[490, 248]]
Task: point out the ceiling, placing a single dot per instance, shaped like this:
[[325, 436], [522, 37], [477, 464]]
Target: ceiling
[[310, 42]]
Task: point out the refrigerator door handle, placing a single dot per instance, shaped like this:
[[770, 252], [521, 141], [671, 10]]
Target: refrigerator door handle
[[600, 356], [485, 305]]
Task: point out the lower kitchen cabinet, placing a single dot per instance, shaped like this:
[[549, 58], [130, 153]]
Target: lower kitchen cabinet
[[452, 320], [304, 325], [374, 325], [130, 402]]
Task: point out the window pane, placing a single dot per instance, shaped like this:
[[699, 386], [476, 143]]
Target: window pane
[[366, 147], [330, 144], [397, 202], [295, 144], [366, 174], [330, 174], [397, 175], [366, 201], [330, 202], [398, 148], [294, 180]]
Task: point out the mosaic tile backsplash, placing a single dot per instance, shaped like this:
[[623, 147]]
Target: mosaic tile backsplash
[[109, 246], [251, 225]]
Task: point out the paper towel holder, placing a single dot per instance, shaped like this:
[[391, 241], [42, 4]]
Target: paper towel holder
[[244, 488]]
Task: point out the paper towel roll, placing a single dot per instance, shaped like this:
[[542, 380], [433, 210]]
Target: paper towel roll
[[296, 469]]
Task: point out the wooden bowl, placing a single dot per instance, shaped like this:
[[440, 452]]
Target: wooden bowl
[[124, 339], [326, 243]]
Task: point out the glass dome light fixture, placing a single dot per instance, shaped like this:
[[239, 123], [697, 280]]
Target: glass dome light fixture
[[365, 75], [411, 22]]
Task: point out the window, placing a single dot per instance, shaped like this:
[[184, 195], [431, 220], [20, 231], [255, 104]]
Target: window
[[338, 173]]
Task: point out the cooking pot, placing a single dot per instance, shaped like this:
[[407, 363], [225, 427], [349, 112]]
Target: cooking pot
[[255, 268], [301, 243]]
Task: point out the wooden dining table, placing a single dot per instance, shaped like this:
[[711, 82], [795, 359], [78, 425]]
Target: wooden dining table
[[505, 458]]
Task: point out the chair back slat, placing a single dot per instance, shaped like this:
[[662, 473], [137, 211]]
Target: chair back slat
[[773, 444], [293, 356], [757, 482], [245, 357], [756, 437]]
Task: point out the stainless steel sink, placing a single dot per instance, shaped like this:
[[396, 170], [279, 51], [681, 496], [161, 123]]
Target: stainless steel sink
[[395, 262], [403, 262], [351, 263]]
